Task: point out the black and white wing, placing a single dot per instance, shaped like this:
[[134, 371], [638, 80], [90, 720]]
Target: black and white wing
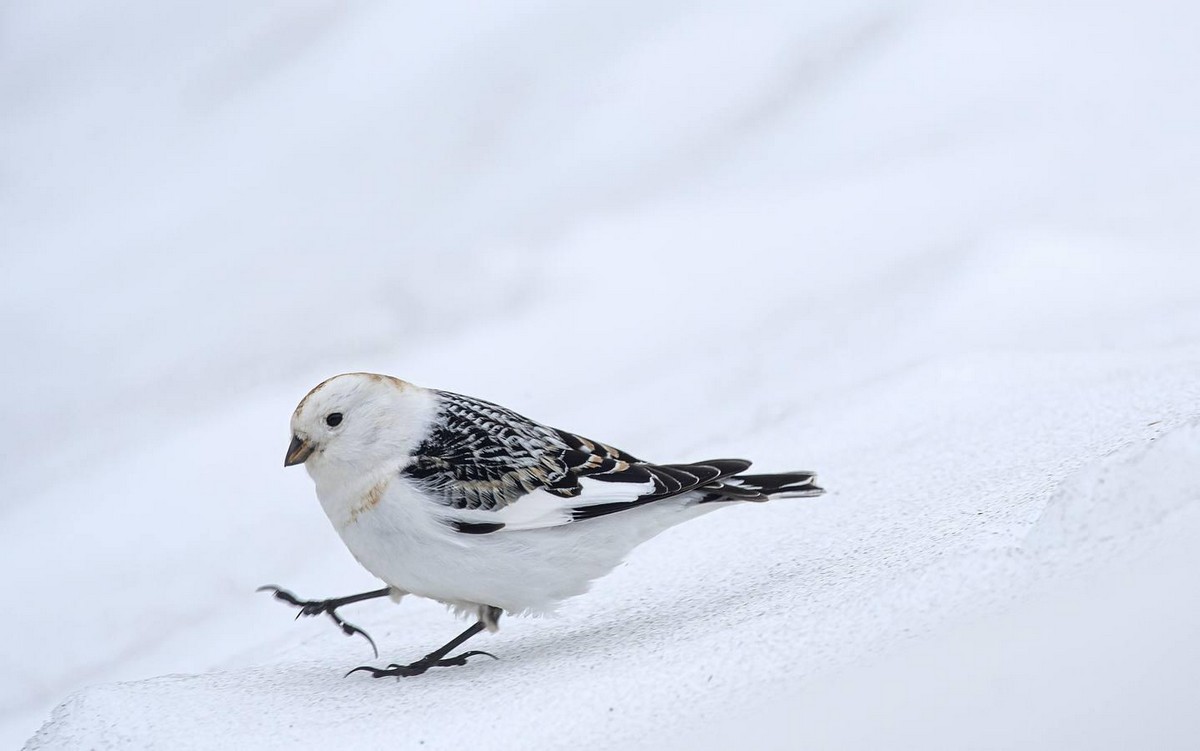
[[494, 469]]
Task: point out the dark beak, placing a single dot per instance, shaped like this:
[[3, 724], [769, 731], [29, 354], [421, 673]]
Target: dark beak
[[298, 451]]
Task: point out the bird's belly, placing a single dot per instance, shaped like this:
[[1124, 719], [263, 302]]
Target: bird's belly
[[407, 546], [455, 568]]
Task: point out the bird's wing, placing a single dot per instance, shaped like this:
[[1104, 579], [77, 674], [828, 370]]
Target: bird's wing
[[493, 469]]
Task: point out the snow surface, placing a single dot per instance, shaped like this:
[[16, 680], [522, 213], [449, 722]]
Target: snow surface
[[944, 253]]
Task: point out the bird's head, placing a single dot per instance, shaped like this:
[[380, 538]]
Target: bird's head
[[353, 422]]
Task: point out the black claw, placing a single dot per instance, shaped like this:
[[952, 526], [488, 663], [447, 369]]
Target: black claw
[[316, 607], [391, 671], [349, 629], [365, 668], [279, 593], [462, 658], [418, 667], [474, 652]]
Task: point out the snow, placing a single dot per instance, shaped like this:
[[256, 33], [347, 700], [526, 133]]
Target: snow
[[1110, 664], [943, 253]]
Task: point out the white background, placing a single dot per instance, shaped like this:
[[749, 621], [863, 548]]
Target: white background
[[945, 253]]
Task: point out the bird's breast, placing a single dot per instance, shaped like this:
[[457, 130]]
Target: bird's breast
[[396, 534], [367, 501]]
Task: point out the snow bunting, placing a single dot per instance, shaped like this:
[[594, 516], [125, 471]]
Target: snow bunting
[[468, 503]]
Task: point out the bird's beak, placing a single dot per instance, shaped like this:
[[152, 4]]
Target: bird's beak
[[298, 451]]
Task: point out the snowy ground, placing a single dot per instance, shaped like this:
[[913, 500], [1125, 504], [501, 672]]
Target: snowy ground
[[946, 253]]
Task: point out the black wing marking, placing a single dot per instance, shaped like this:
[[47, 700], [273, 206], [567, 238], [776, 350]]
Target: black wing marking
[[480, 456], [672, 480]]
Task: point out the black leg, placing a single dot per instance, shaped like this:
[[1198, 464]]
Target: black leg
[[316, 607], [437, 658]]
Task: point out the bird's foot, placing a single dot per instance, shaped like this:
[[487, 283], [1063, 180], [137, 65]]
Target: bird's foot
[[317, 607], [420, 666]]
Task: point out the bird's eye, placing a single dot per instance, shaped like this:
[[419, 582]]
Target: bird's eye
[[333, 419]]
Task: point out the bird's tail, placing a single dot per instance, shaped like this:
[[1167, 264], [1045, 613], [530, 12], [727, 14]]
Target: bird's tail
[[781, 485]]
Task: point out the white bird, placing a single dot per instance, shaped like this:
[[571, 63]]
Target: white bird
[[465, 502]]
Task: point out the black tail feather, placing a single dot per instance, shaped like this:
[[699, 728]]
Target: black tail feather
[[783, 484], [761, 488]]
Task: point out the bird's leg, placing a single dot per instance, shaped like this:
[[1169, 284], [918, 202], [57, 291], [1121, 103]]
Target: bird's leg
[[316, 607], [438, 658]]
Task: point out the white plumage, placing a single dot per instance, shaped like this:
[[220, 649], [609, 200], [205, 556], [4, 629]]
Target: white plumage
[[462, 501]]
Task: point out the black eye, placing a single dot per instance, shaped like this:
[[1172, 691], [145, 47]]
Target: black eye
[[333, 419]]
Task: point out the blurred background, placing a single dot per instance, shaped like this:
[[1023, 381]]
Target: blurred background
[[949, 242]]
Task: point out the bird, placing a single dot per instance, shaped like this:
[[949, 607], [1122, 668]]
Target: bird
[[459, 500]]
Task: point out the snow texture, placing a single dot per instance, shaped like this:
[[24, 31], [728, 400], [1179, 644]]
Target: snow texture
[[946, 254]]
